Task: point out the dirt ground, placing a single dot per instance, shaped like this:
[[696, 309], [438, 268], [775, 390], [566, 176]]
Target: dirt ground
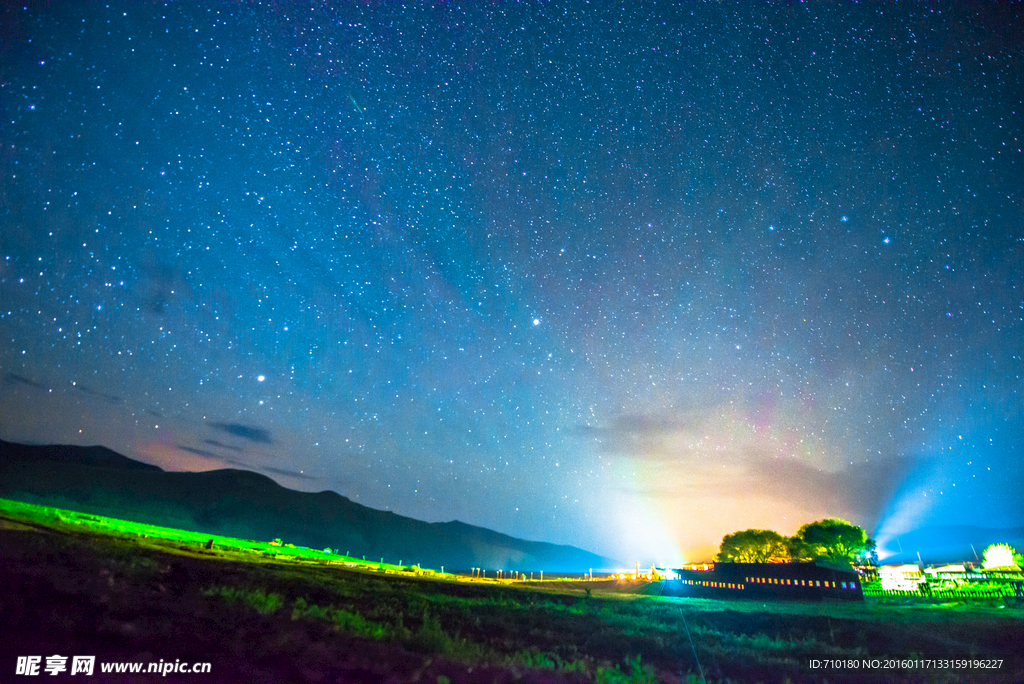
[[73, 592]]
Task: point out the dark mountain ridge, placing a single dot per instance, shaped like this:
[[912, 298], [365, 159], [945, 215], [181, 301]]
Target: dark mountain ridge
[[248, 505]]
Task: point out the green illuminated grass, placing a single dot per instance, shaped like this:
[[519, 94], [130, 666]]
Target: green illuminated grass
[[190, 541], [260, 601], [277, 605]]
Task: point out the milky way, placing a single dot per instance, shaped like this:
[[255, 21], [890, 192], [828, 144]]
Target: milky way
[[625, 278]]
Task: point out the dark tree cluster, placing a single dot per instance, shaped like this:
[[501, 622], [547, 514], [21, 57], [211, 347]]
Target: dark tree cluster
[[832, 540]]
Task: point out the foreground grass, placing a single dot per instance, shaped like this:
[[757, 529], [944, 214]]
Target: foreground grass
[[263, 612]]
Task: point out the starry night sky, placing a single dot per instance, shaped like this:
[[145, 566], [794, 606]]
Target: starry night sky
[[625, 278]]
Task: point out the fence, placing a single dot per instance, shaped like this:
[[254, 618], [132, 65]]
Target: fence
[[973, 590]]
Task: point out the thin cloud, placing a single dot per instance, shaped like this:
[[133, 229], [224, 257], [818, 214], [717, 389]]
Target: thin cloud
[[287, 473], [253, 434], [221, 445], [860, 491], [198, 452], [729, 459], [22, 380], [91, 392], [647, 436]]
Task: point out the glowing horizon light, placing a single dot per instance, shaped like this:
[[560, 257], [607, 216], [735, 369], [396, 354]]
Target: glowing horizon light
[[908, 510], [645, 537]]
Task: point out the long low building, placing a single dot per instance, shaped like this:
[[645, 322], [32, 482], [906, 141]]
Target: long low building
[[787, 581]]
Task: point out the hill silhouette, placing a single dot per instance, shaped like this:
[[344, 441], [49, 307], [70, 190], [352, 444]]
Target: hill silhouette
[[244, 504]]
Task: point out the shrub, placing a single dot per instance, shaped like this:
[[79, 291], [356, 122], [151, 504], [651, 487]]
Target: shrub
[[262, 602]]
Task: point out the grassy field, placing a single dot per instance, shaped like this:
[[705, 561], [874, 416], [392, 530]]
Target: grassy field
[[78, 584]]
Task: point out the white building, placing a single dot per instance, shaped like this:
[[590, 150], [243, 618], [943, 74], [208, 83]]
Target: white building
[[900, 577]]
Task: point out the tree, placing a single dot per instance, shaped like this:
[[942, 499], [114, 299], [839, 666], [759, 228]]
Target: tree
[[754, 546], [834, 540], [1000, 556]]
